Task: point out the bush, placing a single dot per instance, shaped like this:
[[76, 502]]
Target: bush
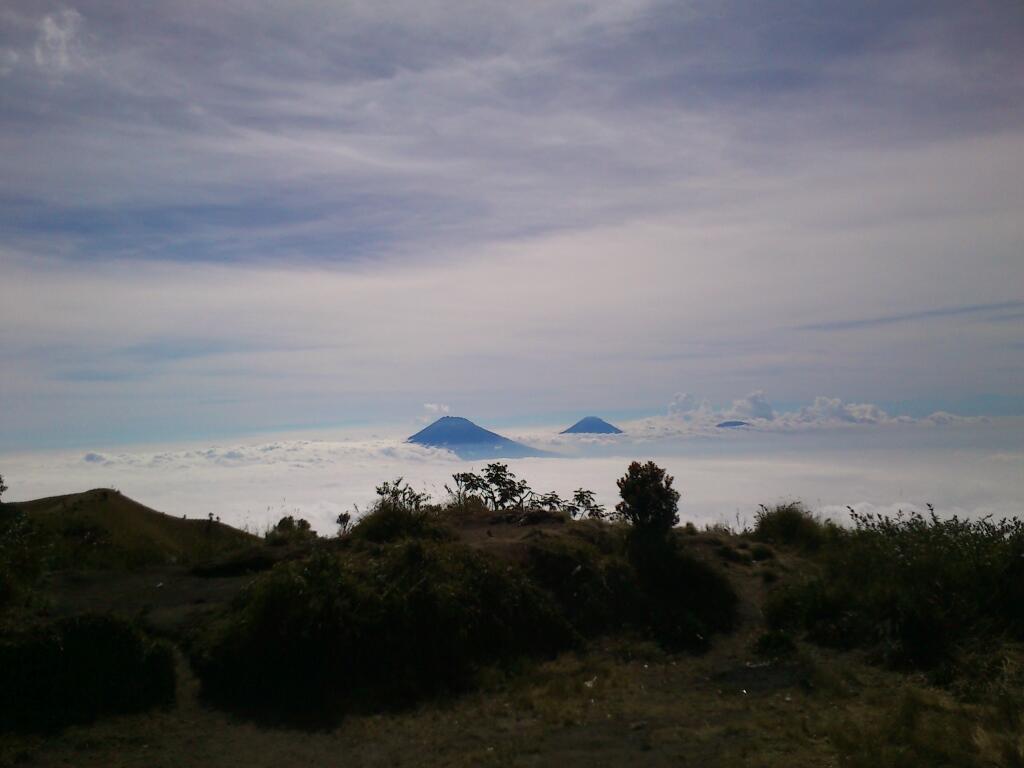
[[649, 502], [387, 522], [687, 599], [79, 668], [399, 512], [415, 619], [290, 530], [912, 587], [598, 592], [790, 525], [21, 562]]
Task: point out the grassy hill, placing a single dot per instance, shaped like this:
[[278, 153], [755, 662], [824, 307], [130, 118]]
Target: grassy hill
[[460, 634], [103, 529]]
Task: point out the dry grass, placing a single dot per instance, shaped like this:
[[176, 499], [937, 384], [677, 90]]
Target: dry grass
[[104, 529]]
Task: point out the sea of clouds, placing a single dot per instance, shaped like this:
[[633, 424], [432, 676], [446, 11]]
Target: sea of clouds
[[831, 455]]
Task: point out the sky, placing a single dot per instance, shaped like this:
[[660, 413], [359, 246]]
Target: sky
[[227, 220]]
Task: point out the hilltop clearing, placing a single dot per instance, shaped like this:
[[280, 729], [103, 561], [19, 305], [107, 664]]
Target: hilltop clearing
[[103, 529], [489, 633]]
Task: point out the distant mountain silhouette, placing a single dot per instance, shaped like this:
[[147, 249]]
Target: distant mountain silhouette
[[591, 425], [469, 441], [732, 424]]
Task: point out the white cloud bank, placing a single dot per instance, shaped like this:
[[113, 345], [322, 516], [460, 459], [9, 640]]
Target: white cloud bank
[[965, 468], [688, 415]]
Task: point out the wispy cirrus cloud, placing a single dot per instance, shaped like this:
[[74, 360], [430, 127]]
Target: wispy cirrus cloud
[[989, 312], [227, 217], [55, 47], [331, 132]]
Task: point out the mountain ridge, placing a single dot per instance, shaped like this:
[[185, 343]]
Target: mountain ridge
[[471, 441], [592, 425]]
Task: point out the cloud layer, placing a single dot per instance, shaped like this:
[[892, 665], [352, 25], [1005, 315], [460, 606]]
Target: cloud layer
[[971, 469], [689, 416]]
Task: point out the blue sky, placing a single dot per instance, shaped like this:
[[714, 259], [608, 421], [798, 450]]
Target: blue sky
[[222, 218]]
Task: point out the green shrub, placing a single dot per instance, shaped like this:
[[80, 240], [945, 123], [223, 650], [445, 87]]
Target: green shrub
[[21, 557], [790, 525], [649, 502], [415, 618], [598, 592], [400, 512], [79, 668], [290, 530], [912, 587], [387, 522], [687, 599]]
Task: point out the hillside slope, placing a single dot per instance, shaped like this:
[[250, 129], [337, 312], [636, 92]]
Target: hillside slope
[[104, 529]]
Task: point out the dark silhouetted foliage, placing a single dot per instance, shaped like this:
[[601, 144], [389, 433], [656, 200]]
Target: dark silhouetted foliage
[[687, 599], [415, 618], [290, 530], [584, 505], [400, 610], [913, 587], [501, 490], [399, 512], [21, 554], [598, 591], [790, 525], [79, 668], [649, 502]]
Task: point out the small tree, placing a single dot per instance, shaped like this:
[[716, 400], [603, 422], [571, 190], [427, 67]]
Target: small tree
[[3, 487], [344, 523], [583, 500], [649, 502], [551, 501], [400, 495], [289, 530], [502, 489], [467, 484]]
